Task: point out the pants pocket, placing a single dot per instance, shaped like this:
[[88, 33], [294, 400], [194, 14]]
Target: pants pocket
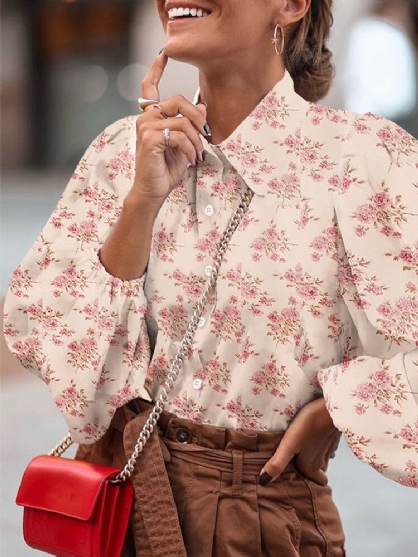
[[281, 530], [327, 518], [322, 532]]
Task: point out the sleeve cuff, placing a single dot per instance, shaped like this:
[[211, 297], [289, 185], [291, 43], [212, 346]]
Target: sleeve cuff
[[116, 285]]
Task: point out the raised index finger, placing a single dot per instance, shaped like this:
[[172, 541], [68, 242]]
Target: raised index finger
[[152, 79]]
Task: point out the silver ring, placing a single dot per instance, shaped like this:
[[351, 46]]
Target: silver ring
[[166, 134], [163, 114], [143, 103]]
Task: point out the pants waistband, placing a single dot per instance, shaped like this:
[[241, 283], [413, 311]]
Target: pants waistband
[[237, 460], [187, 432], [238, 452]]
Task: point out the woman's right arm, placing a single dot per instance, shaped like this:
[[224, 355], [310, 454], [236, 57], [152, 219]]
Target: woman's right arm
[[67, 319], [75, 319]]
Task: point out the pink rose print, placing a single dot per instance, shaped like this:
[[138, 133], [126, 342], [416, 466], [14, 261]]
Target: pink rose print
[[215, 374], [247, 417], [122, 165], [189, 409], [164, 245], [272, 244], [382, 391], [271, 378]]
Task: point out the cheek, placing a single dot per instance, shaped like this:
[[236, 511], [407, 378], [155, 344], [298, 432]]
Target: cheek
[[159, 4], [246, 23]]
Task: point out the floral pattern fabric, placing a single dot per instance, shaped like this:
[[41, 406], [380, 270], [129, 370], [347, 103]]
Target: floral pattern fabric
[[317, 293]]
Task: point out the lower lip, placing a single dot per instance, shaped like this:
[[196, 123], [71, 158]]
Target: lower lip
[[183, 21]]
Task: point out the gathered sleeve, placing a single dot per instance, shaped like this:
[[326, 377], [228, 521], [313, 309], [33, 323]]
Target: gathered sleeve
[[66, 319], [373, 398]]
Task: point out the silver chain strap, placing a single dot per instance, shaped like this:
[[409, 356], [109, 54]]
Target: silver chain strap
[[187, 341], [62, 446]]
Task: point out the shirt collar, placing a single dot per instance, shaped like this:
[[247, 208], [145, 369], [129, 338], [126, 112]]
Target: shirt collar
[[257, 147]]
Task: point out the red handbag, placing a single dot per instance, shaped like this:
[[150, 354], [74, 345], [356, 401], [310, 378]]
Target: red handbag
[[73, 508]]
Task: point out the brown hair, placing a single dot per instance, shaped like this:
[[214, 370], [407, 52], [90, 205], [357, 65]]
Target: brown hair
[[307, 56]]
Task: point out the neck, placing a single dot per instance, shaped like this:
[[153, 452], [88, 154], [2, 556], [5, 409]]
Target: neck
[[232, 96]]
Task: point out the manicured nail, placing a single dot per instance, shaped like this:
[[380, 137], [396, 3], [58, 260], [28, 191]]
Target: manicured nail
[[203, 102], [207, 129], [265, 478], [204, 153], [161, 51]]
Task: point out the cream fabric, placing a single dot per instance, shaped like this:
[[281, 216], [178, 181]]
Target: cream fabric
[[317, 293]]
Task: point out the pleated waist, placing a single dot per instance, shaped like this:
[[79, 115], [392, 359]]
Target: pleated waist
[[219, 448]]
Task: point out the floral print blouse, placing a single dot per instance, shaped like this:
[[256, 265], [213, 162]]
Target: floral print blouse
[[317, 293]]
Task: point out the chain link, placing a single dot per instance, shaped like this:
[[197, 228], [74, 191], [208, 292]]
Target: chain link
[[181, 355], [62, 446]]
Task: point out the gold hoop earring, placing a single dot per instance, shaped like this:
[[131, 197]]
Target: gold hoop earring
[[275, 40]]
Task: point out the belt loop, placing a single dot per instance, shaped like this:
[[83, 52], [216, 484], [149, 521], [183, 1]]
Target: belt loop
[[237, 457]]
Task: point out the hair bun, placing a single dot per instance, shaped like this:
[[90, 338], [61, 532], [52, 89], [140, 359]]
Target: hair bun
[[308, 58]]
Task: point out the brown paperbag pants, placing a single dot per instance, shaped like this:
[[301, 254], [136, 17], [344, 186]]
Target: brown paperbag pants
[[222, 509]]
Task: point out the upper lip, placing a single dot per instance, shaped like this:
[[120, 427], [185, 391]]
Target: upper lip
[[171, 5]]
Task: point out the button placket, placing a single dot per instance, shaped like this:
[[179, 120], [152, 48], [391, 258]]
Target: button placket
[[209, 210], [202, 322], [208, 270]]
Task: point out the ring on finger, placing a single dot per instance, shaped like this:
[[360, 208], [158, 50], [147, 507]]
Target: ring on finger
[[156, 105], [143, 103], [166, 134]]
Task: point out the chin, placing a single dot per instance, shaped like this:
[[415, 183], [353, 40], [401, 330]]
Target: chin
[[182, 54]]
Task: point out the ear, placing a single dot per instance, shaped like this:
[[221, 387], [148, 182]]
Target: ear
[[291, 11]]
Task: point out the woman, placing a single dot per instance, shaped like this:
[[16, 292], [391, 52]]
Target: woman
[[316, 294]]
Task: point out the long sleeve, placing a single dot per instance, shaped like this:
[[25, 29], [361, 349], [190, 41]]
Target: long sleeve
[[373, 397], [66, 319]]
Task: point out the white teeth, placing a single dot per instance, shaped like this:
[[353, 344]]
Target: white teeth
[[182, 12]]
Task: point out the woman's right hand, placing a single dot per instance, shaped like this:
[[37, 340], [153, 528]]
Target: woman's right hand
[[160, 167]]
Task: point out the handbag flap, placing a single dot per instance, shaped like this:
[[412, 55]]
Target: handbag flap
[[64, 486]]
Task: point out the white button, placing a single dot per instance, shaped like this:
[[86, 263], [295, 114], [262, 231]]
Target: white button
[[202, 322], [209, 210], [197, 384], [208, 270]]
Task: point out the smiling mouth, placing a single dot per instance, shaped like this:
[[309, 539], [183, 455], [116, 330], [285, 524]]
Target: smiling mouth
[[184, 13]]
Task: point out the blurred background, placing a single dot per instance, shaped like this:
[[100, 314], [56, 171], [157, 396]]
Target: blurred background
[[71, 67]]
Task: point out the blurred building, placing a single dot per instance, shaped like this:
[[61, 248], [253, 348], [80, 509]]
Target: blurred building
[[60, 63]]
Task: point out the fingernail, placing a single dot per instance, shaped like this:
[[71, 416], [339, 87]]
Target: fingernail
[[265, 478], [207, 129], [204, 155], [203, 102], [161, 51]]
